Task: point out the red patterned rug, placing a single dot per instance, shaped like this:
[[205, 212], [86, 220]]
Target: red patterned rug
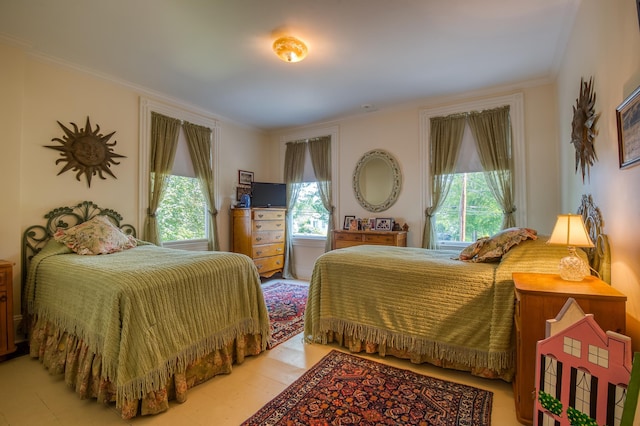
[[285, 303], [346, 389]]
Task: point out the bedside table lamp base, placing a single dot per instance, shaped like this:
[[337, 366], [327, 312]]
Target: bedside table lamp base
[[572, 268]]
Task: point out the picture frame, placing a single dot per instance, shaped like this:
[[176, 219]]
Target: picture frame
[[384, 224], [245, 177], [353, 224], [347, 222], [241, 190], [628, 123]]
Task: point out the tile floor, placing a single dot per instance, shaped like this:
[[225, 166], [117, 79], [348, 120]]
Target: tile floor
[[30, 396]]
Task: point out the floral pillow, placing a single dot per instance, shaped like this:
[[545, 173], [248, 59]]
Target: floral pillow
[[491, 249], [95, 236]]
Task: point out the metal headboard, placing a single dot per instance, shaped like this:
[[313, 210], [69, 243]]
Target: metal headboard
[[600, 255], [35, 237]]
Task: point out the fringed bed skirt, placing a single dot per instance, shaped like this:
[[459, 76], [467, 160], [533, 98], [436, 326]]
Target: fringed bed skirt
[[64, 353], [358, 345]]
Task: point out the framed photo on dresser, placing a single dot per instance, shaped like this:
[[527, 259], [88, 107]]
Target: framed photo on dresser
[[384, 224], [347, 222]]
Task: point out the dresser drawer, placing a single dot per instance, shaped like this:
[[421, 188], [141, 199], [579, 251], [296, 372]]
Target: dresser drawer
[[268, 225], [380, 239], [344, 236], [265, 250], [4, 278], [267, 237], [268, 214], [267, 264]]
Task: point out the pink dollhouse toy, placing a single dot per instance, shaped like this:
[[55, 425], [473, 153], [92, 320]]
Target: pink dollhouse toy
[[582, 373]]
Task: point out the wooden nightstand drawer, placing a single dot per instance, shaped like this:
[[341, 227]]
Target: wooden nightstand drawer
[[7, 341]]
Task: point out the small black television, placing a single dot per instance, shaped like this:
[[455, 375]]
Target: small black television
[[267, 194]]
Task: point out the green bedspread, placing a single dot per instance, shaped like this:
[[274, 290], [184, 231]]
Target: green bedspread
[[148, 311], [423, 301]]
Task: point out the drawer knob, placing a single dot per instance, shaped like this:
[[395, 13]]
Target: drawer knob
[[258, 226], [259, 253], [258, 238], [260, 215], [3, 298]]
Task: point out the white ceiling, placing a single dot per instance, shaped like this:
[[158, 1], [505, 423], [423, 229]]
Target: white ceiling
[[216, 54]]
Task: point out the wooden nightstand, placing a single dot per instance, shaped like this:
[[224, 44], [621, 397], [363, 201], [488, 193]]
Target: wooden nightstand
[[7, 341], [540, 297]]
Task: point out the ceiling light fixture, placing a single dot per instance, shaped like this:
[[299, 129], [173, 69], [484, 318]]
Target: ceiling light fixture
[[290, 49]]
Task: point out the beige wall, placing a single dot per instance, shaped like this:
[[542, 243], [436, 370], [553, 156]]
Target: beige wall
[[398, 131], [605, 44], [35, 93]]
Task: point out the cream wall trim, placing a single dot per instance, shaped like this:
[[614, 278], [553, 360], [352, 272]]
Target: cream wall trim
[[147, 105], [334, 132], [516, 108]]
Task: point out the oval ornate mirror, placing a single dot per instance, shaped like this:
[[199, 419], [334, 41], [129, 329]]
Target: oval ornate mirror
[[377, 180]]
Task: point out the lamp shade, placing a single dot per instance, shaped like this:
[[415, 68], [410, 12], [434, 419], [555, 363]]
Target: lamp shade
[[570, 231], [290, 49]]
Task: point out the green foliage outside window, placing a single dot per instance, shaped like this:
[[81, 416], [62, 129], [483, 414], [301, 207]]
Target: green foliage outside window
[[470, 209], [309, 215], [181, 214]]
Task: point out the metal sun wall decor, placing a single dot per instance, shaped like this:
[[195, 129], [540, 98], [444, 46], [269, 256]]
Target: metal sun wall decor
[[86, 151], [583, 128]]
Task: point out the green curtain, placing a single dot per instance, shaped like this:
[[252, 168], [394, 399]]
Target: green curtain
[[446, 138], [492, 132], [199, 143], [164, 140], [320, 151], [293, 173]]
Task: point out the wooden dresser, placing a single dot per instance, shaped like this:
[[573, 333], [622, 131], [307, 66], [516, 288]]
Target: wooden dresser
[[259, 233], [342, 239], [7, 340], [539, 297]]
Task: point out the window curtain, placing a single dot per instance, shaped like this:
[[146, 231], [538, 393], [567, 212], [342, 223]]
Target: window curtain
[[199, 143], [446, 138], [492, 131], [320, 151], [293, 172], [164, 140]]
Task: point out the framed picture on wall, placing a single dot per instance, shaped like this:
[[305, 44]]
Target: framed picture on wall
[[245, 177], [628, 120], [241, 190], [347, 222]]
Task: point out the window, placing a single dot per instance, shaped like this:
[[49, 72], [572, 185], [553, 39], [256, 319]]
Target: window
[[470, 210], [309, 216], [182, 214]]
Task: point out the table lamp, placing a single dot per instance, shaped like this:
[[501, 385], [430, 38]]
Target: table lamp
[[571, 232]]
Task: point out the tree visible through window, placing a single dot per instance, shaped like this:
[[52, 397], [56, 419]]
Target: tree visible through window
[[309, 216], [470, 210], [182, 211]]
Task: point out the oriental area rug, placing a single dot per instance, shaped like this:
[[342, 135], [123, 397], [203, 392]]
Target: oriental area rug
[[346, 389], [285, 303]]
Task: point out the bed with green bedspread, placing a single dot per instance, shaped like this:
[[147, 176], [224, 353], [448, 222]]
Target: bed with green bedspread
[[423, 304], [140, 326]]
